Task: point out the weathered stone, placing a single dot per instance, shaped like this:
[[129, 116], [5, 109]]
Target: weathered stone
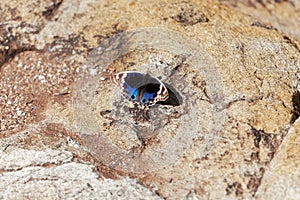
[[232, 133]]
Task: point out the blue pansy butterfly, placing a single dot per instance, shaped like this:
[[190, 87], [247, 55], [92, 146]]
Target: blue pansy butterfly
[[141, 89]]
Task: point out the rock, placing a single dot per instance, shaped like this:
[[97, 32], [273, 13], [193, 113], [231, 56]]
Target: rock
[[68, 180], [228, 131], [281, 180]]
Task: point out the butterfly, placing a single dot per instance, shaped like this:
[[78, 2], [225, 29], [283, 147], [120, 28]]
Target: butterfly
[[142, 89]]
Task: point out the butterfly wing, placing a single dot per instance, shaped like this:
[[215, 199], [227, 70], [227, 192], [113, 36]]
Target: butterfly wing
[[141, 88], [129, 81], [153, 92]]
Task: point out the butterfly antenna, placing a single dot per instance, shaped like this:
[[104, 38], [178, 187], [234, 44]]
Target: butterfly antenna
[[115, 78]]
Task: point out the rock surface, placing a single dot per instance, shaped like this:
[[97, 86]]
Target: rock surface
[[231, 130]]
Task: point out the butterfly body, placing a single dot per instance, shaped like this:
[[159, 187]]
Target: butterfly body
[[140, 88]]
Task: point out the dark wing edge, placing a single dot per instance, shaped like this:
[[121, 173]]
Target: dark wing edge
[[118, 78], [162, 94]]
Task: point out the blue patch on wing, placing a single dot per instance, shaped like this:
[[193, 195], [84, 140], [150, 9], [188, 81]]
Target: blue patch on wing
[[134, 95], [131, 91], [141, 88], [146, 97], [128, 88]]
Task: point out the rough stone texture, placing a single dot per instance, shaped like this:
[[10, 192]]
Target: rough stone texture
[[282, 181], [281, 14], [21, 158], [240, 92], [63, 179]]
